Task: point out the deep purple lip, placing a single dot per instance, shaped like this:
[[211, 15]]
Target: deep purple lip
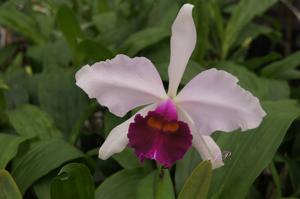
[[159, 135]]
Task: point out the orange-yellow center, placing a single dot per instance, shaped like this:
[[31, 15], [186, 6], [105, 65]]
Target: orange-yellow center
[[163, 125]]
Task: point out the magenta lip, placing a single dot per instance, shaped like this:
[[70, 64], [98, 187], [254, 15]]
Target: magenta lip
[[159, 135]]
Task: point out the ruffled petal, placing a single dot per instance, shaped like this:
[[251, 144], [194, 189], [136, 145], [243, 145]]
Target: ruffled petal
[[183, 41], [122, 83], [117, 139], [205, 145], [215, 102]]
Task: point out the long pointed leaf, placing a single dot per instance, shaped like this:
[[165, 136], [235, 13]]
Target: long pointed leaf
[[197, 185], [252, 151], [42, 158], [73, 181], [8, 187]]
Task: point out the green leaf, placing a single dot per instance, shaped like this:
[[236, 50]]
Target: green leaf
[[142, 39], [184, 168], [45, 54], [146, 186], [197, 185], [106, 25], [242, 15], [164, 186], [110, 121], [263, 88], [21, 23], [275, 89], [294, 173], [69, 25], [127, 159], [76, 130], [62, 99], [73, 181], [43, 185], [100, 6], [163, 13], [218, 27], [256, 62], [9, 145], [156, 185], [41, 126], [276, 179], [280, 68], [45, 24], [43, 157], [251, 32], [202, 22], [252, 151], [3, 85], [8, 187], [95, 51], [17, 80], [122, 184], [253, 194], [290, 74]]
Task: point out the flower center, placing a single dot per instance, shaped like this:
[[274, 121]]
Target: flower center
[[160, 135], [162, 124]]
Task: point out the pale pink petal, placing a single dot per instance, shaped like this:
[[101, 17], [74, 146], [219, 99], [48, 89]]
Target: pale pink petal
[[117, 139], [183, 41], [208, 149], [122, 83], [205, 145], [215, 101]]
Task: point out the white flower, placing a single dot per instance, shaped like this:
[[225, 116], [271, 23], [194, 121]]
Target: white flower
[[212, 101]]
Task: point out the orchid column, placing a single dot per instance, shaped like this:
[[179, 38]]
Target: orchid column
[[170, 123]]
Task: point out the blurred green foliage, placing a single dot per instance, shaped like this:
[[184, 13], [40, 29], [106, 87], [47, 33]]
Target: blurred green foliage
[[51, 131]]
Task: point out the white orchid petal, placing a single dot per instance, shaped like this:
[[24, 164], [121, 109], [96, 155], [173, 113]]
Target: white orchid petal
[[122, 83], [183, 41], [205, 145], [215, 101], [209, 150], [117, 139]]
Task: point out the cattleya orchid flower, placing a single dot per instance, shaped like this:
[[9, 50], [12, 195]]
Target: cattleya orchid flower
[[170, 123]]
